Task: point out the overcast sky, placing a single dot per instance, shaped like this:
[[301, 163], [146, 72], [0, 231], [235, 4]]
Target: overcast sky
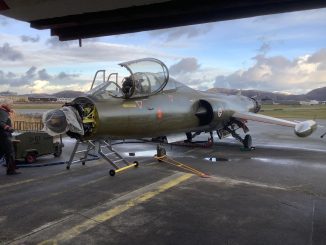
[[282, 52]]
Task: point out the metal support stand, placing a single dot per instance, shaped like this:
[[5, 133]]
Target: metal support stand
[[85, 153], [105, 151]]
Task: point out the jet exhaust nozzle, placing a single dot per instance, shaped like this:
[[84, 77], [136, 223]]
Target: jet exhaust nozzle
[[306, 128], [257, 105]]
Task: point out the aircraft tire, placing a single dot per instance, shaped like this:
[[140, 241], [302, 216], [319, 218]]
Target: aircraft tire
[[247, 142], [30, 157], [58, 151], [136, 164], [112, 172]]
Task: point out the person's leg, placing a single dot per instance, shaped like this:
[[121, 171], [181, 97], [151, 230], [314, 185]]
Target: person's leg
[[2, 153], [10, 158]]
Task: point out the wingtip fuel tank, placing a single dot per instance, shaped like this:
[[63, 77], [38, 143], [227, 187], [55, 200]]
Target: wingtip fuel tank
[[306, 128]]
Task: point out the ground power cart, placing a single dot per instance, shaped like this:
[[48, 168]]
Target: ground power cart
[[30, 145]]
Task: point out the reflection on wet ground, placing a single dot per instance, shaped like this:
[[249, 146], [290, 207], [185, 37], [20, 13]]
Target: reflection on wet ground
[[217, 159], [148, 153], [259, 195]]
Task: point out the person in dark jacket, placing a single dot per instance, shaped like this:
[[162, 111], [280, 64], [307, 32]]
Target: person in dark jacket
[[6, 146]]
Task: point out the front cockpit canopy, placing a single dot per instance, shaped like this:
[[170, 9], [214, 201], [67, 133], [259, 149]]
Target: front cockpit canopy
[[147, 77]]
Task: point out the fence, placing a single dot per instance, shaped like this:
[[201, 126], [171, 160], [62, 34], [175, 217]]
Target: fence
[[28, 126]]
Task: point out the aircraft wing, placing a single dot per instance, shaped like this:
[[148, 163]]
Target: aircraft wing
[[301, 129]]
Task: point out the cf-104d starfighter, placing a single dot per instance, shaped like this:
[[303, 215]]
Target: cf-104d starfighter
[[149, 103]]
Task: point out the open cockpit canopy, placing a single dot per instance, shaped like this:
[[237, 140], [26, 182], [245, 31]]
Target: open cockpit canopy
[[146, 77]]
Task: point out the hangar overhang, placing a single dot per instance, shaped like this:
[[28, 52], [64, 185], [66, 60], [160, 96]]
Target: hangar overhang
[[76, 19]]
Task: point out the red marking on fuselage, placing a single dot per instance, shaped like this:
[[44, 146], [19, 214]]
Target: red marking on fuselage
[[159, 113]]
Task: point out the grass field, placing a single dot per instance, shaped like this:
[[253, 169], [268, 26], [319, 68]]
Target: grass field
[[37, 105], [295, 111]]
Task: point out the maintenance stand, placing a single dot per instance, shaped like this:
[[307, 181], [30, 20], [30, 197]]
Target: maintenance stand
[[105, 151]]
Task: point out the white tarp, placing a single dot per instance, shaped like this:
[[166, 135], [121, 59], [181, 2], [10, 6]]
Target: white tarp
[[72, 118]]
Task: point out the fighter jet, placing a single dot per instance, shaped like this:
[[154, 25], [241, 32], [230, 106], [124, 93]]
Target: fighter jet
[[148, 103]]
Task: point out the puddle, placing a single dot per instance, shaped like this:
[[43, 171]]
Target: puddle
[[276, 161], [289, 162], [148, 153], [216, 159]]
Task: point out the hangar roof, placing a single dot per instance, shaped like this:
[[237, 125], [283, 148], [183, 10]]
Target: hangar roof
[[78, 19]]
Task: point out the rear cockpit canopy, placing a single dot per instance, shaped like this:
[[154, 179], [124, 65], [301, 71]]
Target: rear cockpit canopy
[[147, 77]]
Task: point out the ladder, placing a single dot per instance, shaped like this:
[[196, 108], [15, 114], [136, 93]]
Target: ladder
[[105, 151], [79, 150]]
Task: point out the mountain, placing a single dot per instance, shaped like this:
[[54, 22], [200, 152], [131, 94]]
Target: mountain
[[62, 94], [316, 94], [37, 95], [68, 94]]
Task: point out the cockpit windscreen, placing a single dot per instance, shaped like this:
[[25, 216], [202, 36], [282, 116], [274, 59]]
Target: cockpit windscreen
[[147, 77]]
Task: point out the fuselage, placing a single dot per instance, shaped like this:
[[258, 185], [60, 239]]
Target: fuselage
[[149, 103], [177, 110]]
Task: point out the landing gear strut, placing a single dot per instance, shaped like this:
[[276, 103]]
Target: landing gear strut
[[246, 141], [161, 152], [190, 135]]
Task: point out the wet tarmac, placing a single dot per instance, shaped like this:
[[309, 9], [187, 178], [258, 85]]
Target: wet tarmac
[[275, 194]]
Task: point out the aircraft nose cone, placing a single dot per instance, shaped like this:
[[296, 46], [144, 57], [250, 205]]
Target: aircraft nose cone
[[55, 121]]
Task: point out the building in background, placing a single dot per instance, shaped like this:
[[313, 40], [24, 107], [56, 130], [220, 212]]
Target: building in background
[[65, 100], [42, 99], [309, 102]]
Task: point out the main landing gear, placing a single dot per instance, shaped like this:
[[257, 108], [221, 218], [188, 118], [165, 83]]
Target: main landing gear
[[247, 140]]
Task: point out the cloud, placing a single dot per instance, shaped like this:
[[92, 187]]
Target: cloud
[[278, 73], [32, 74], [44, 86], [54, 42], [15, 80], [264, 48], [172, 34], [3, 21], [189, 71], [25, 38], [91, 52], [9, 54], [318, 57], [44, 75], [184, 66], [65, 76], [92, 56]]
